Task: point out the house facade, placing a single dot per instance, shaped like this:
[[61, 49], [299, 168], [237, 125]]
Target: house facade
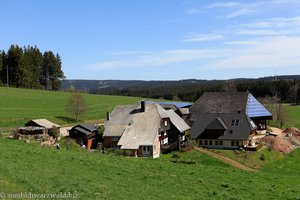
[[227, 120], [143, 129]]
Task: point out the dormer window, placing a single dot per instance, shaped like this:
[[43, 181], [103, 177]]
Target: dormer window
[[235, 122], [166, 123]]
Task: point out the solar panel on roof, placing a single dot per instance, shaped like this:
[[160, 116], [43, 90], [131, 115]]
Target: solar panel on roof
[[255, 108], [177, 104]]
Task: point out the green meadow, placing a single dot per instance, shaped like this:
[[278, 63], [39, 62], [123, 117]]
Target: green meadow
[[17, 106], [293, 116], [31, 168]]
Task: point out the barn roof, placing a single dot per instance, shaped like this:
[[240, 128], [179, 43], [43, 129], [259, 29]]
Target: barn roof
[[44, 123], [228, 102]]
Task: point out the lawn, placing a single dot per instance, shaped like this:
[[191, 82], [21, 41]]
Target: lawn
[[20, 105], [190, 175], [294, 116]]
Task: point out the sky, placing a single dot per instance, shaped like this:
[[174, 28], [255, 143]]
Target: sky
[[159, 39]]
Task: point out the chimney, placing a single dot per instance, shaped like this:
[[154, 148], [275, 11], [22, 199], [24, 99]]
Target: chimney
[[142, 106], [107, 116]]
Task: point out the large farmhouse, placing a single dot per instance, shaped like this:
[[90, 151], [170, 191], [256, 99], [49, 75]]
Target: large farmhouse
[[227, 119], [143, 129]]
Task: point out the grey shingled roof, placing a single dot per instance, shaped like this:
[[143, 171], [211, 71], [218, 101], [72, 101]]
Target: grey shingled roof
[[143, 130], [205, 121], [139, 128], [219, 102], [120, 117], [178, 122]]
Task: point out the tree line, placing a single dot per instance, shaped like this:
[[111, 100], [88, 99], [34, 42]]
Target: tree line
[[287, 90], [28, 67]]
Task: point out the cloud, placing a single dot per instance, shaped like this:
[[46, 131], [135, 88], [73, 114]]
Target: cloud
[[275, 23], [162, 58], [263, 32], [202, 37], [193, 11], [223, 5], [237, 13], [276, 52], [244, 42]]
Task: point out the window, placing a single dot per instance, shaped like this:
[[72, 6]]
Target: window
[[206, 142], [183, 138], [200, 142], [166, 123], [235, 122], [216, 143], [221, 143], [210, 142], [232, 122], [232, 143], [146, 149], [237, 143]]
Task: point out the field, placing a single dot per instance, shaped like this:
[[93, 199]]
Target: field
[[294, 116], [31, 168], [20, 105]]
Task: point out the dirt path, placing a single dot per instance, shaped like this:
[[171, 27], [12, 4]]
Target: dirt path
[[225, 159], [276, 131]]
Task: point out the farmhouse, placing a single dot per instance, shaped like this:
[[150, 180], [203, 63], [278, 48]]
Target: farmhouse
[[144, 129], [43, 123], [227, 119], [84, 133]]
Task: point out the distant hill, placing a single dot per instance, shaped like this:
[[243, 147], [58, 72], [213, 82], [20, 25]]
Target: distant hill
[[185, 90], [87, 85]]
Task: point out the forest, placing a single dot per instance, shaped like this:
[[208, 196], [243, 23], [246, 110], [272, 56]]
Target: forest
[[28, 67], [287, 89]]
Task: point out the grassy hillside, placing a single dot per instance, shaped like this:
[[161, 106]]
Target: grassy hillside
[[294, 116], [20, 105], [31, 168]]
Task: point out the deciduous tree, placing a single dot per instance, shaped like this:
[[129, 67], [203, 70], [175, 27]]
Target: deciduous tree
[[76, 106]]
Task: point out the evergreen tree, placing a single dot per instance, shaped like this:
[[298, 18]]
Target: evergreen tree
[[15, 66], [51, 71], [33, 60], [1, 68]]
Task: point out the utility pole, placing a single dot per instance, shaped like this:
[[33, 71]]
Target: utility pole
[[7, 80]]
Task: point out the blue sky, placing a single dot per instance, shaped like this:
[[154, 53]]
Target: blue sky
[[159, 39]]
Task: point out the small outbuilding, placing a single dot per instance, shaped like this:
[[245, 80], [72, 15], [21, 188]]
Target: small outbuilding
[[44, 123], [85, 132]]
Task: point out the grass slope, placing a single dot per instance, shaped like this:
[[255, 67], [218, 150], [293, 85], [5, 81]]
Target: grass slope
[[31, 168], [20, 105], [294, 116]]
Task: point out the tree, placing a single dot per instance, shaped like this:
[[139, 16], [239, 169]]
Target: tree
[[294, 93], [230, 86], [15, 66], [76, 106], [277, 108], [51, 71]]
